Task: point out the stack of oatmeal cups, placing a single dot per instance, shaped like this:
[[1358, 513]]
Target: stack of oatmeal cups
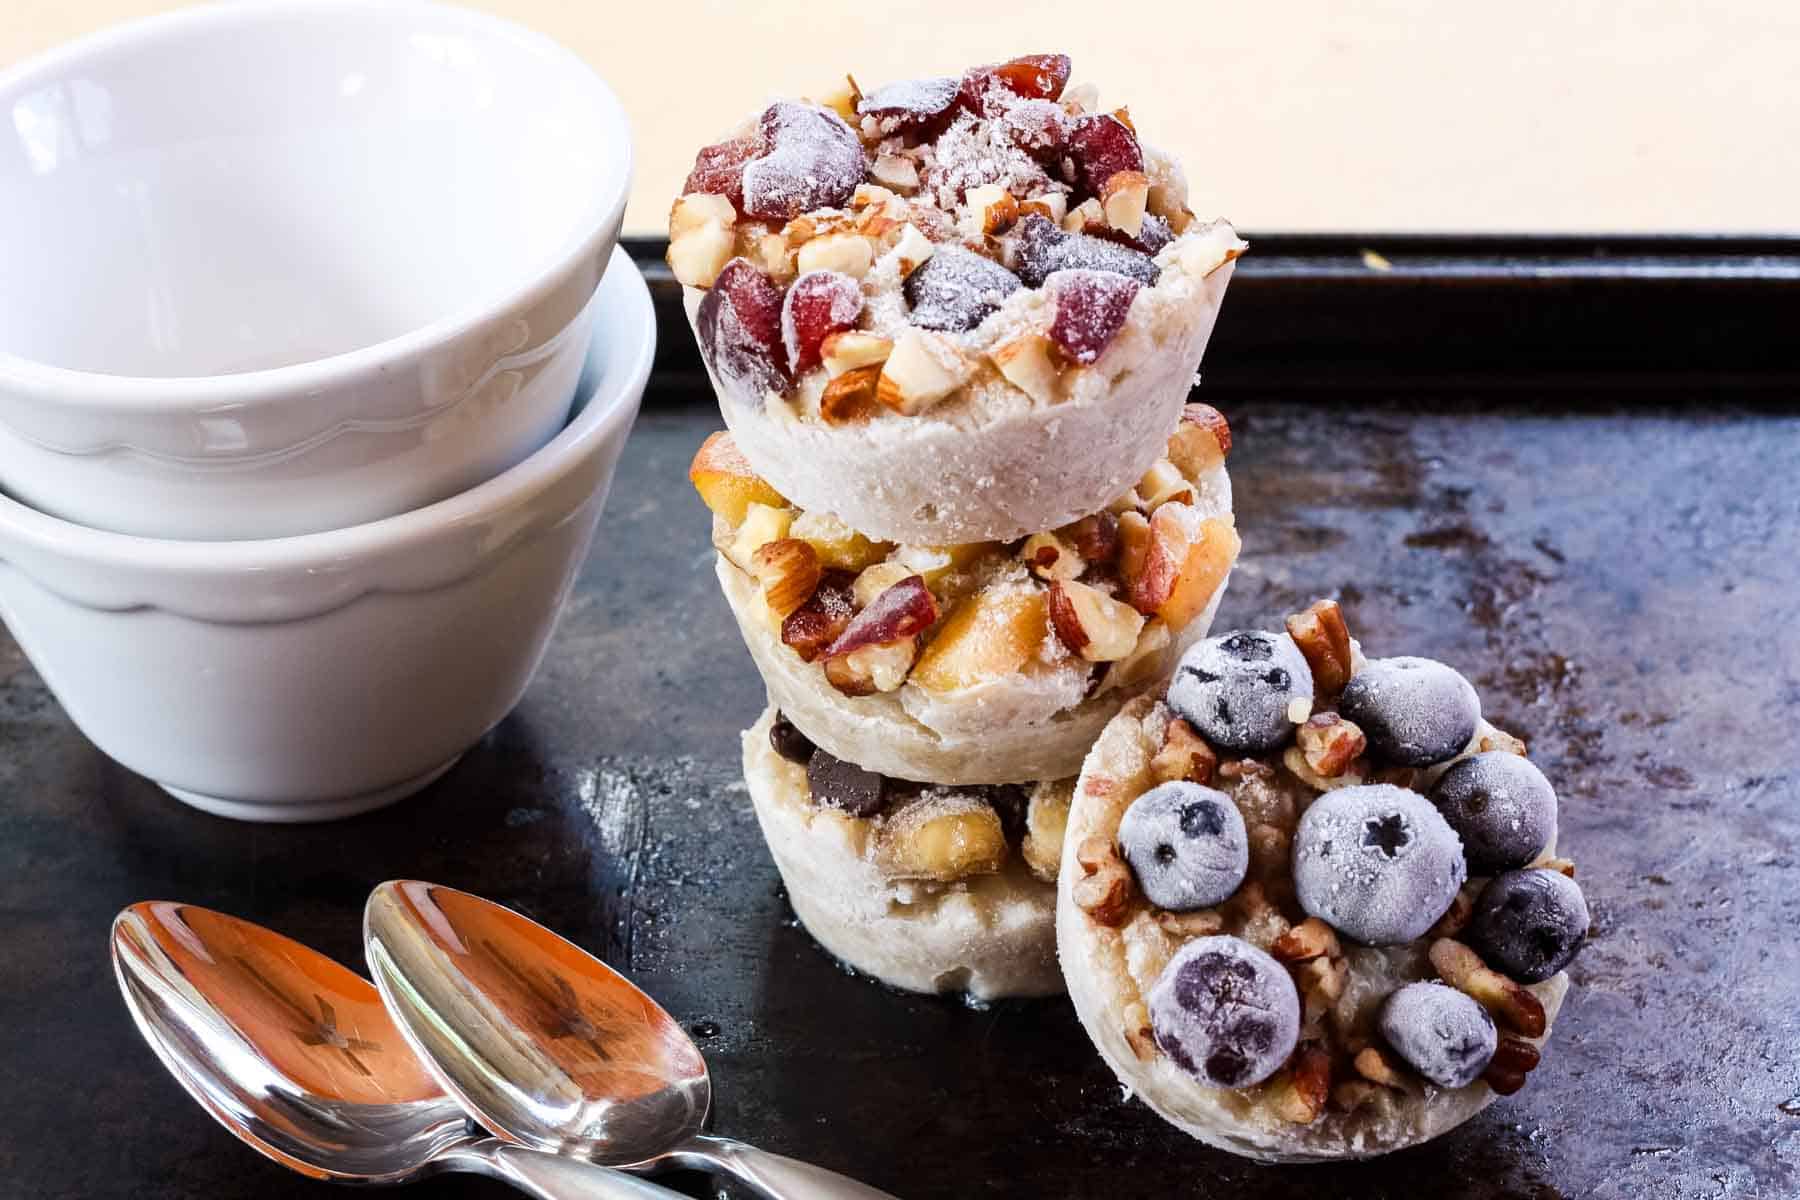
[[963, 511]]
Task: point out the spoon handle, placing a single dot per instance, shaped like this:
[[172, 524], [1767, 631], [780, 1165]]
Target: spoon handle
[[550, 1176], [773, 1176]]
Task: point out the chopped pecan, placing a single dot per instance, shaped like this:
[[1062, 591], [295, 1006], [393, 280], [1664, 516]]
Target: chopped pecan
[[1104, 891], [1138, 1034], [1200, 923], [1321, 982], [1509, 1002], [1564, 866], [1353, 1094], [1324, 639], [1184, 755], [1498, 739], [1330, 744], [1310, 939], [1377, 1067], [1513, 1060], [1299, 1092]]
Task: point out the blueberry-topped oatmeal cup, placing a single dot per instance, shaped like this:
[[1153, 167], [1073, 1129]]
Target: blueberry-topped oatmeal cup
[[1309, 905], [951, 310]]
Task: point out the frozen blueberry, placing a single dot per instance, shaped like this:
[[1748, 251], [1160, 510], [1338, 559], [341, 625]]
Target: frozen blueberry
[[1442, 1033], [1186, 844], [787, 740], [1225, 1012], [1529, 924], [1501, 806], [1376, 862], [1415, 711], [1235, 689]]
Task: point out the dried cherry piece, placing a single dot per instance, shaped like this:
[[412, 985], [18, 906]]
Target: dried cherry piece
[[1091, 307], [812, 160], [1044, 249], [916, 106], [1030, 77], [818, 304], [739, 324], [1101, 145], [817, 623]]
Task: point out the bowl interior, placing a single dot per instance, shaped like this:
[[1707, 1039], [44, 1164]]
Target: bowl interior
[[253, 185]]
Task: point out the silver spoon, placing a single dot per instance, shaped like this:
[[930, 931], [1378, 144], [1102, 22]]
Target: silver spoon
[[296, 1056], [550, 1047]]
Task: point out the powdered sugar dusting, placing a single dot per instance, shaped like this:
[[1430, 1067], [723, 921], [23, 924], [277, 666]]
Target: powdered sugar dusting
[[814, 161], [973, 152]]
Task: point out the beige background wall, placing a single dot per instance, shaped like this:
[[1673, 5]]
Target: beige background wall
[[1376, 115]]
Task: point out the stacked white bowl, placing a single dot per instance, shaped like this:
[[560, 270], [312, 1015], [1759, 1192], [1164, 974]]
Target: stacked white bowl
[[295, 467]]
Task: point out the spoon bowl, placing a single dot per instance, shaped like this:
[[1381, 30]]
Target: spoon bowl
[[296, 1056], [551, 1048]]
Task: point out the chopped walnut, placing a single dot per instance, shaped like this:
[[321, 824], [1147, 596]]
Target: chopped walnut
[[1329, 743], [1138, 1033], [1310, 939], [1324, 639], [1184, 755], [1299, 1093], [1510, 1003], [1200, 923], [1375, 1066], [1104, 891]]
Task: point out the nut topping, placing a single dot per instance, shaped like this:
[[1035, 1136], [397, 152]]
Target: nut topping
[[1184, 755], [1104, 893], [1330, 744], [1310, 939], [1324, 639], [1513, 1060], [1510, 1003], [1298, 1094]]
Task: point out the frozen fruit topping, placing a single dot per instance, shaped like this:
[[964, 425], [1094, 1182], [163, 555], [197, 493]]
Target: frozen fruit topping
[[1043, 249], [719, 168], [904, 610], [1225, 1012], [818, 304], [845, 785], [1529, 924], [1415, 711], [1028, 77], [1376, 862], [787, 740], [920, 106], [1236, 690], [1091, 307], [1186, 844], [1101, 145], [957, 289], [1501, 806], [739, 327], [1442, 1033], [818, 623], [1038, 127], [812, 160]]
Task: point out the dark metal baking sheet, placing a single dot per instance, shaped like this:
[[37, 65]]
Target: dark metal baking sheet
[[1616, 572]]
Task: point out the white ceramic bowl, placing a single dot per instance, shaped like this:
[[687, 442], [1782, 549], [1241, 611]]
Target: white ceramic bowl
[[279, 267], [312, 677]]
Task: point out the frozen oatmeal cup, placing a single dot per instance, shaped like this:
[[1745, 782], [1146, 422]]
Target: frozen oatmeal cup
[[981, 663], [1309, 906], [949, 310], [924, 887]]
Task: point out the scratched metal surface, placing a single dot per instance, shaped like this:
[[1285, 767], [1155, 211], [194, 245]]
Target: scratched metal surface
[[1620, 584]]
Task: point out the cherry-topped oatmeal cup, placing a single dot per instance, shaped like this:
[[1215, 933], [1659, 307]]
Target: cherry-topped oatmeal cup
[[1310, 905], [951, 310]]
